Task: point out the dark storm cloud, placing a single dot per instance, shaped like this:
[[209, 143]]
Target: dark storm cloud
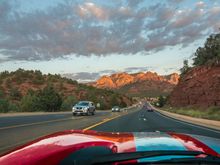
[[85, 29]]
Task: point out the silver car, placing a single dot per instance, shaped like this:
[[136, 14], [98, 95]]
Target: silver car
[[84, 108]]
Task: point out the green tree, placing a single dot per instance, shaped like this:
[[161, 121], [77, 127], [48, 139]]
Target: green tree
[[161, 101], [51, 100], [185, 67], [210, 53], [68, 103], [4, 105], [4, 74], [13, 107], [8, 83], [113, 100], [122, 103], [39, 78], [2, 93], [30, 103], [15, 94]]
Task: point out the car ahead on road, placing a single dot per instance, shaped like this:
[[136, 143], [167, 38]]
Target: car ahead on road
[[149, 109], [116, 109], [91, 147], [84, 108]]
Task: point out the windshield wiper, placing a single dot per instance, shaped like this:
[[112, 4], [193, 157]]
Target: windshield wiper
[[118, 157]]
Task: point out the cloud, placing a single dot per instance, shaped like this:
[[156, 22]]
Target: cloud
[[89, 9], [93, 76], [175, 1], [133, 3], [88, 28], [82, 76], [200, 4], [138, 69]]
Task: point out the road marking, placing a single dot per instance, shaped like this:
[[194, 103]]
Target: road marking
[[102, 122], [37, 123], [187, 123]]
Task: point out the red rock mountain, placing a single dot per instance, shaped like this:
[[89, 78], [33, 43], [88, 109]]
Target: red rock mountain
[[144, 84], [198, 87]]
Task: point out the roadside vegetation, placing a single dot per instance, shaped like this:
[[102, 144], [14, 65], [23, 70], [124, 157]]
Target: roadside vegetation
[[161, 101], [212, 113], [208, 55], [32, 91]]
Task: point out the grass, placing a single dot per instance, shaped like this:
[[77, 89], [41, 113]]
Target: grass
[[212, 113]]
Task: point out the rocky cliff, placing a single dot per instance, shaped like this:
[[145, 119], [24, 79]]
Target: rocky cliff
[[198, 87], [138, 84]]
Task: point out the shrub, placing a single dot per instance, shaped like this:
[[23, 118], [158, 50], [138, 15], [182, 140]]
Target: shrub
[[4, 74], [15, 94], [38, 78], [30, 103], [113, 100], [122, 104], [8, 83], [1, 93], [73, 82], [51, 100], [185, 67], [161, 101], [13, 107], [4, 105], [44, 100], [68, 103]]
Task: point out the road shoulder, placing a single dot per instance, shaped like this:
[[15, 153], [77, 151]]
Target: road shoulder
[[198, 121]]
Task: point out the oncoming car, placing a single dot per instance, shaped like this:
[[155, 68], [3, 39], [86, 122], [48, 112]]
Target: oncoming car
[[116, 109], [84, 108]]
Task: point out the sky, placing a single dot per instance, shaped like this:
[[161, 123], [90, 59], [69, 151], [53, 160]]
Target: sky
[[85, 39]]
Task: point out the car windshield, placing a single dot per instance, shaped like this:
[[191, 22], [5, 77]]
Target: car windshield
[[126, 75], [83, 104]]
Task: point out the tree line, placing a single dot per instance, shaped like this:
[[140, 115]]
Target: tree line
[[209, 54]]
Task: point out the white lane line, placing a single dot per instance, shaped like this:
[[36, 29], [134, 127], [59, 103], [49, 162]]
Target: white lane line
[[186, 123]]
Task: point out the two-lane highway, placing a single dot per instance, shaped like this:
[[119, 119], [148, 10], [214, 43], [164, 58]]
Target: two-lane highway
[[17, 130], [144, 121]]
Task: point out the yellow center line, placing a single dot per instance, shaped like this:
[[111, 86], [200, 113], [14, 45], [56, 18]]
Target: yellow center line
[[36, 123], [102, 122]]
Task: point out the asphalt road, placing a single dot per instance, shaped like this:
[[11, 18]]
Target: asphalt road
[[11, 121], [144, 121], [17, 130]]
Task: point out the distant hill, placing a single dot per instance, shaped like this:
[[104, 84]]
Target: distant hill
[[138, 84], [14, 86]]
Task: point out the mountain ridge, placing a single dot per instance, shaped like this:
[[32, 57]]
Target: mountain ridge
[[131, 83]]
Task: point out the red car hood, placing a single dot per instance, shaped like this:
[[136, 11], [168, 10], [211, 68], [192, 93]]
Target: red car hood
[[52, 149]]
